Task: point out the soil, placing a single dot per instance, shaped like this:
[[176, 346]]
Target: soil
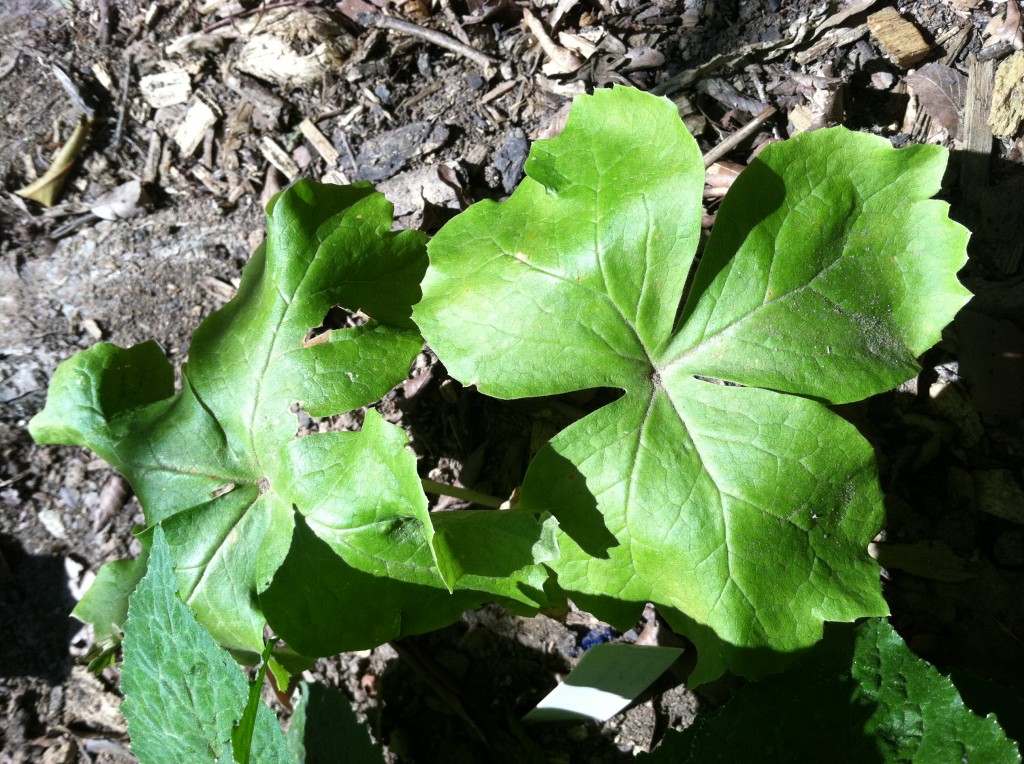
[[395, 108]]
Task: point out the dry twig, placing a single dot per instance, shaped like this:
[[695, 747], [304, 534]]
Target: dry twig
[[738, 137], [440, 39]]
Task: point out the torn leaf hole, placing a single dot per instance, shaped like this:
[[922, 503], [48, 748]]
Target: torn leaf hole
[[713, 381], [222, 490], [337, 318]]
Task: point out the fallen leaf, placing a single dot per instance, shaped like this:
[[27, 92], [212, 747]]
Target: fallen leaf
[[46, 188], [941, 91]]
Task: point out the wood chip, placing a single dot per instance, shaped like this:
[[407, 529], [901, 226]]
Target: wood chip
[[840, 17], [1007, 111], [579, 45], [102, 76], [273, 59], [319, 141], [295, 47], [205, 177], [219, 289], [167, 88], [251, 90], [336, 176], [801, 118], [899, 39], [278, 157], [189, 134], [92, 328], [151, 170], [834, 38]]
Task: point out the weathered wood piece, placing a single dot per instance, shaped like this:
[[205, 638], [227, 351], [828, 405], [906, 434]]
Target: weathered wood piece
[[166, 88], [899, 39], [199, 118], [320, 142], [278, 157], [1007, 112]]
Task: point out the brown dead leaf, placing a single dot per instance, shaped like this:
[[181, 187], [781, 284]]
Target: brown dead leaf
[[1009, 29], [719, 178], [941, 91]]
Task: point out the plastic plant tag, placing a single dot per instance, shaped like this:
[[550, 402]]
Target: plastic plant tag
[[606, 680]]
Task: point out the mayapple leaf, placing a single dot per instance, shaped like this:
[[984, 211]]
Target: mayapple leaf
[[827, 273], [219, 468], [105, 604], [184, 694], [860, 695], [367, 564], [743, 512], [211, 462], [324, 727]]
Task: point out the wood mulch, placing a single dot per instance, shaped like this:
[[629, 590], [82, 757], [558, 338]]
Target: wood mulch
[[148, 135]]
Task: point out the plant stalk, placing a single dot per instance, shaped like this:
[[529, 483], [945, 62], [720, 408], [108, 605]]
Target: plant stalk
[[466, 494]]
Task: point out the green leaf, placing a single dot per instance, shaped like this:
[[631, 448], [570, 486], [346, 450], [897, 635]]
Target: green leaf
[[212, 463], [105, 605], [860, 696], [323, 728], [183, 694], [365, 551], [742, 512], [242, 732], [828, 271], [984, 697]]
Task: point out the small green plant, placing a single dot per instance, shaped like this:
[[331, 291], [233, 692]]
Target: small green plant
[[860, 695], [188, 701], [719, 486]]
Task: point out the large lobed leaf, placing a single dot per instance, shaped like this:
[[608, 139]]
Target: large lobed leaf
[[218, 466], [860, 695], [743, 512]]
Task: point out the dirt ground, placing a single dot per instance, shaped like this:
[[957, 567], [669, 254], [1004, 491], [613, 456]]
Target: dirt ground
[[210, 107]]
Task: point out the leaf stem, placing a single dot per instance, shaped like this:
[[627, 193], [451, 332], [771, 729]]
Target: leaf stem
[[466, 494]]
